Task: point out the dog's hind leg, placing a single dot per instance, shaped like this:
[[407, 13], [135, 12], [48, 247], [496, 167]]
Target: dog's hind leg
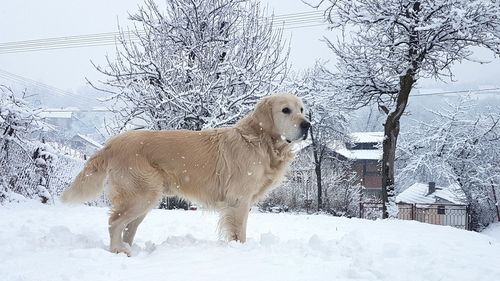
[[133, 193], [130, 230], [132, 212]]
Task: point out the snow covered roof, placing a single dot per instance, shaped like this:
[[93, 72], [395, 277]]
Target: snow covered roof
[[367, 137], [100, 108], [353, 154], [418, 193], [56, 114], [360, 154], [89, 140]]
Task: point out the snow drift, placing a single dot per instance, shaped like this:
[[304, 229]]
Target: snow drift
[[40, 242]]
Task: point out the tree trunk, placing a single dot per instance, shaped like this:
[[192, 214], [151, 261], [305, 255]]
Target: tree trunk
[[318, 181], [391, 126], [317, 165], [391, 133], [496, 200]]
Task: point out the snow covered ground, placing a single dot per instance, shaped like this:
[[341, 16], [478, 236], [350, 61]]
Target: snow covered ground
[[40, 242]]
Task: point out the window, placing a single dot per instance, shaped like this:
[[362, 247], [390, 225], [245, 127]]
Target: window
[[371, 167], [441, 210], [363, 145]]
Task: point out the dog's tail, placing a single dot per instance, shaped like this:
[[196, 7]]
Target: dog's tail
[[88, 184]]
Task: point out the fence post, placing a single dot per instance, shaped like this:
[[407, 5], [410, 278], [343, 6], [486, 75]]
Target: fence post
[[413, 210], [468, 217]]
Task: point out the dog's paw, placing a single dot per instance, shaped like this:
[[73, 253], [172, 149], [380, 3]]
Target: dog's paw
[[124, 248]]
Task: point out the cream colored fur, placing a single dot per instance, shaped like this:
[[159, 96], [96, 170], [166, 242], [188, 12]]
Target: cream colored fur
[[226, 169]]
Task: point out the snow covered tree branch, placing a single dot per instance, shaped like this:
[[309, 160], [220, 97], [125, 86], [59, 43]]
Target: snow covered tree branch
[[195, 65], [17, 119], [386, 46]]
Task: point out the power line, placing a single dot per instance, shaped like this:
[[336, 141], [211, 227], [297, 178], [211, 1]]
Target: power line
[[305, 26], [481, 91], [477, 92], [76, 110], [289, 18], [50, 89], [291, 15], [286, 21]]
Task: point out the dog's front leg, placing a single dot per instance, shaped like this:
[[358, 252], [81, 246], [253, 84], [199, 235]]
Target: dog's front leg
[[233, 221]]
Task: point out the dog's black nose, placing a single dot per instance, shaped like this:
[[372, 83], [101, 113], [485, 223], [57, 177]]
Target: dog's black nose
[[305, 125]]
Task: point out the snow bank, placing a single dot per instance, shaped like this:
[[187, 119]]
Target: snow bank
[[493, 230], [39, 242]]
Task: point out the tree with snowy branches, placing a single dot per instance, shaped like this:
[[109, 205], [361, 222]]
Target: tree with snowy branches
[[196, 64], [328, 116], [460, 145], [387, 46], [18, 121], [17, 118], [340, 192]]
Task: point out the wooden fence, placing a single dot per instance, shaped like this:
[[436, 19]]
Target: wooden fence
[[441, 214]]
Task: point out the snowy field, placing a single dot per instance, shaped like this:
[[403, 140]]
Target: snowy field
[[39, 242]]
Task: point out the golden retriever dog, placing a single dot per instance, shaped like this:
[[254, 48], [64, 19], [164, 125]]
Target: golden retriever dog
[[224, 169]]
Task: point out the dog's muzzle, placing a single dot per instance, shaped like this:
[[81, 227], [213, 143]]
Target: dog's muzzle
[[304, 127]]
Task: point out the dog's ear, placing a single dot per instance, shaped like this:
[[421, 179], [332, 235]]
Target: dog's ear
[[263, 114]]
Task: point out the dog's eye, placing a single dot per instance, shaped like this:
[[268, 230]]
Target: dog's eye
[[301, 110], [286, 110]]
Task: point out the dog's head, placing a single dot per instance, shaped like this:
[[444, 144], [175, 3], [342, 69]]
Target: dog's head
[[282, 115]]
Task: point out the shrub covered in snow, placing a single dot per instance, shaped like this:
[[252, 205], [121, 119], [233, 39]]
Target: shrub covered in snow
[[28, 168]]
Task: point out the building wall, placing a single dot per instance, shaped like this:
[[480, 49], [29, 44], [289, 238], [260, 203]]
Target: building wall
[[61, 123], [369, 173], [82, 146], [369, 176]]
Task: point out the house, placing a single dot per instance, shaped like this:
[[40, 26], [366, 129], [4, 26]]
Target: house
[[442, 205], [60, 118], [84, 144], [365, 152]]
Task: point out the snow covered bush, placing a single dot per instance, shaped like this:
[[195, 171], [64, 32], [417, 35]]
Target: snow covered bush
[[197, 64], [17, 169], [28, 168], [17, 118], [340, 193]]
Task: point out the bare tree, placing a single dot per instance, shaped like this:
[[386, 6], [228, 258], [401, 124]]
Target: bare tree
[[195, 65], [386, 46]]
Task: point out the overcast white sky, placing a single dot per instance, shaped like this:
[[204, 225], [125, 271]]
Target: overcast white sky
[[67, 68]]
